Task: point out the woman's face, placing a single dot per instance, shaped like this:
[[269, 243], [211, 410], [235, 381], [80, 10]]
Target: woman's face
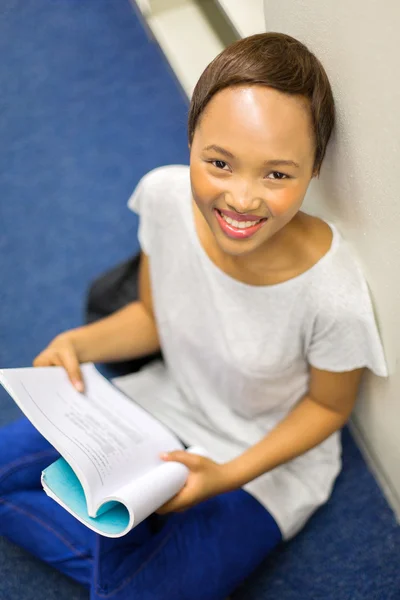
[[251, 161]]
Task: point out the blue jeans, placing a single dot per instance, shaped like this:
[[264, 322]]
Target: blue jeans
[[203, 553]]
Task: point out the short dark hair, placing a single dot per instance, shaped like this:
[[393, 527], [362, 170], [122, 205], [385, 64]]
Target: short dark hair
[[275, 60]]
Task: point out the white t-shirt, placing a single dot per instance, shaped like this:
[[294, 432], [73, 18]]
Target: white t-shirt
[[237, 355]]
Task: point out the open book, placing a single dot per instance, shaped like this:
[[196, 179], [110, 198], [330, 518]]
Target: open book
[[110, 475]]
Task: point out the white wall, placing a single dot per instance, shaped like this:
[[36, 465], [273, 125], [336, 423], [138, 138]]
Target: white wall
[[358, 42]]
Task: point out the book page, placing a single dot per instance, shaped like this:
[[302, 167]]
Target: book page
[[147, 493], [106, 438]]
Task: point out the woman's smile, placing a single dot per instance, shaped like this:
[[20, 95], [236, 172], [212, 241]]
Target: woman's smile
[[238, 226]]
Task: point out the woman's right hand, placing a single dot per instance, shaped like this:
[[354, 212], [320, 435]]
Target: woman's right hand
[[61, 352]]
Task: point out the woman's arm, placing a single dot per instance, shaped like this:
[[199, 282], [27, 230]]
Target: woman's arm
[[129, 333], [325, 409]]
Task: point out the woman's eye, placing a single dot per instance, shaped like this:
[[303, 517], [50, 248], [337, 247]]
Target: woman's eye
[[220, 164], [278, 175]]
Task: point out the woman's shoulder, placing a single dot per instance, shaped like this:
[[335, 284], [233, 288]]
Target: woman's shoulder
[[337, 277], [166, 175], [317, 240], [158, 186], [313, 246]]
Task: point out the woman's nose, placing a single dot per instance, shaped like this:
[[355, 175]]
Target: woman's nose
[[244, 200]]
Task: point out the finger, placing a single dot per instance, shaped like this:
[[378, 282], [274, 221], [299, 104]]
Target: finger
[[177, 504], [192, 461], [47, 359], [67, 360], [71, 365], [166, 508], [163, 510]]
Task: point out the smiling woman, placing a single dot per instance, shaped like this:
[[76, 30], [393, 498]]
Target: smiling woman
[[263, 318], [243, 135], [258, 131]]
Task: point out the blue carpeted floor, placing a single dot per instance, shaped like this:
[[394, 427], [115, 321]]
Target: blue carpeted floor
[[88, 105]]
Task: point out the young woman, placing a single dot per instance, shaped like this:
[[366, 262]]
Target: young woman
[[265, 324]]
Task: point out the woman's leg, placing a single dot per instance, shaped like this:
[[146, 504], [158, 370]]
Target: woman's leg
[[201, 554], [28, 517]]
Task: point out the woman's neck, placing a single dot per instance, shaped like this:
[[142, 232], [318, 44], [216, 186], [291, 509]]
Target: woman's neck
[[290, 252]]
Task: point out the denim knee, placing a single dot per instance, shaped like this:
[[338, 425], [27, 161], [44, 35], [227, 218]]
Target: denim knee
[[24, 453], [24, 473]]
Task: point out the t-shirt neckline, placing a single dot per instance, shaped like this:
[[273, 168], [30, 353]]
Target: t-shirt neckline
[[236, 282]]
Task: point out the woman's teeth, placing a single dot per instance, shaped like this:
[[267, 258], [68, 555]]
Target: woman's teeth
[[239, 224]]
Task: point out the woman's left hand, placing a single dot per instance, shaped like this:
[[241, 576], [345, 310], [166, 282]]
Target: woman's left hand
[[205, 480]]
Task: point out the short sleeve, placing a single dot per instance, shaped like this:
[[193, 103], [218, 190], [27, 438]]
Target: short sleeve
[[138, 204], [344, 334], [154, 200]]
